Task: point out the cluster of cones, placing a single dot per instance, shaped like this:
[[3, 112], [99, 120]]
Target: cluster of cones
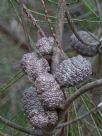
[[44, 101]]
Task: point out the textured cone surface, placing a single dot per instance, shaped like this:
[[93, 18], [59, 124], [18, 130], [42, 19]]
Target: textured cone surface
[[52, 117], [45, 45], [53, 99], [34, 109], [36, 114], [73, 70], [46, 82], [82, 48], [49, 92], [33, 65]]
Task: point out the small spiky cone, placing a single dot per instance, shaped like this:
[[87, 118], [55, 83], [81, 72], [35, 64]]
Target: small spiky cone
[[45, 45], [83, 49], [49, 92], [72, 70], [33, 65], [36, 114]]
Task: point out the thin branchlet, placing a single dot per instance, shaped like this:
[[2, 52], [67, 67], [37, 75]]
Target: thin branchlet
[[34, 21], [74, 29], [48, 19]]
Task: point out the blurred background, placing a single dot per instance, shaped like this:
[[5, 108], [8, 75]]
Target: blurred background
[[16, 35]]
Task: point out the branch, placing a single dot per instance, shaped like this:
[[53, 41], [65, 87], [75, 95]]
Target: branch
[[34, 21], [74, 29], [60, 21], [81, 117], [88, 87], [3, 134], [4, 101], [17, 127], [58, 53], [47, 18], [23, 23]]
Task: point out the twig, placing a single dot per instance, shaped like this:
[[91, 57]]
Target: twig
[[58, 53], [60, 21], [47, 18], [79, 118], [88, 87], [82, 90], [63, 128], [74, 29], [4, 101], [15, 126], [99, 34], [3, 134], [23, 23], [35, 23]]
